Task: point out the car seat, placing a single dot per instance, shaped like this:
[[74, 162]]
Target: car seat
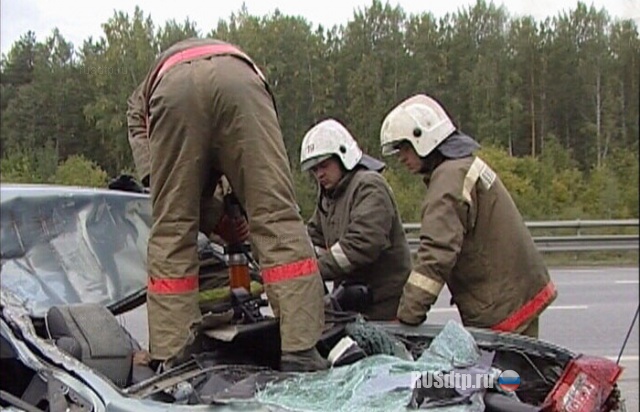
[[104, 345]]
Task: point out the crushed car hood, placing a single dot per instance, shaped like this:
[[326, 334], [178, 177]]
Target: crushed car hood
[[65, 245]]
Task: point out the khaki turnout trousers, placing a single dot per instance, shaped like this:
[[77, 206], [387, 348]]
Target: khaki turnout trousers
[[208, 117]]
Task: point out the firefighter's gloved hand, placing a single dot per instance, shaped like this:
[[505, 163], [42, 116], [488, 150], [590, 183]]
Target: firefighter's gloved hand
[[126, 183], [319, 251], [233, 230]]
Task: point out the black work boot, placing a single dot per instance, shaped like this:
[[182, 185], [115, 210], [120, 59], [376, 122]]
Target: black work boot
[[308, 360], [192, 346]]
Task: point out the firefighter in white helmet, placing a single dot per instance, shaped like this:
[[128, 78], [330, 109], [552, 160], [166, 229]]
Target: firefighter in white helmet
[[472, 237], [356, 225]]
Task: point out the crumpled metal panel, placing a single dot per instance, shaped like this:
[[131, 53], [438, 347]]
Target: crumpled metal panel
[[65, 245]]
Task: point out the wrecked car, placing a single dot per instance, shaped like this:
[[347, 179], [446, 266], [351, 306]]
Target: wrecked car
[[73, 264]]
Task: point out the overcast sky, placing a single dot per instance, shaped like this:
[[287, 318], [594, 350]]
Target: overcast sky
[[77, 20]]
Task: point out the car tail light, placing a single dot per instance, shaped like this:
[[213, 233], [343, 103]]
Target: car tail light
[[584, 386]]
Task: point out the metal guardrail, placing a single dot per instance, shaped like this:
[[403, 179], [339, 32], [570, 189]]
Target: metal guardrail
[[563, 243]]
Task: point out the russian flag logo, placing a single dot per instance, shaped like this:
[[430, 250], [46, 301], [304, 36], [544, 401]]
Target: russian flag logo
[[509, 381]]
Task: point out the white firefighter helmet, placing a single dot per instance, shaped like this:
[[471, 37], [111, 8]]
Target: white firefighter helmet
[[419, 120], [328, 138]]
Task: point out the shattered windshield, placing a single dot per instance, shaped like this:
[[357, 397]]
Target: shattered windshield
[[63, 245], [385, 383]]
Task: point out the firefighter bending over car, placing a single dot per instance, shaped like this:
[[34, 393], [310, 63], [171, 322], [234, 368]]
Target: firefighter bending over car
[[203, 111], [472, 236], [356, 225]]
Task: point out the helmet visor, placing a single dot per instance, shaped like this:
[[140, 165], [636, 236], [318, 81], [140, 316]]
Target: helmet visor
[[309, 163], [392, 148]]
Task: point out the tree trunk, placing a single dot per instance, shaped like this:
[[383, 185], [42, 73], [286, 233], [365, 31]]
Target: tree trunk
[[543, 97], [623, 111], [313, 96], [598, 119], [532, 106]]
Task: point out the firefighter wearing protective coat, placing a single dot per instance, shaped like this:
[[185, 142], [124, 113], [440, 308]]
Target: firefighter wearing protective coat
[[205, 110], [472, 237], [356, 226]]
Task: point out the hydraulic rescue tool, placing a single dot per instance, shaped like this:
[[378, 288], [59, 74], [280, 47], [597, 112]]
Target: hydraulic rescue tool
[[236, 250]]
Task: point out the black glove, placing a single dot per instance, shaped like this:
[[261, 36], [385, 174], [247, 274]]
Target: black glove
[[126, 183]]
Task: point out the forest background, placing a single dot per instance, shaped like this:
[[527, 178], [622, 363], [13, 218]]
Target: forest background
[[554, 103]]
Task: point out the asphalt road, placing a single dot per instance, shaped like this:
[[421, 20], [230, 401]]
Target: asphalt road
[[592, 315]]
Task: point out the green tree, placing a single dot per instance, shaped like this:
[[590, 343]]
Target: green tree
[[36, 165], [79, 171], [554, 102]]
